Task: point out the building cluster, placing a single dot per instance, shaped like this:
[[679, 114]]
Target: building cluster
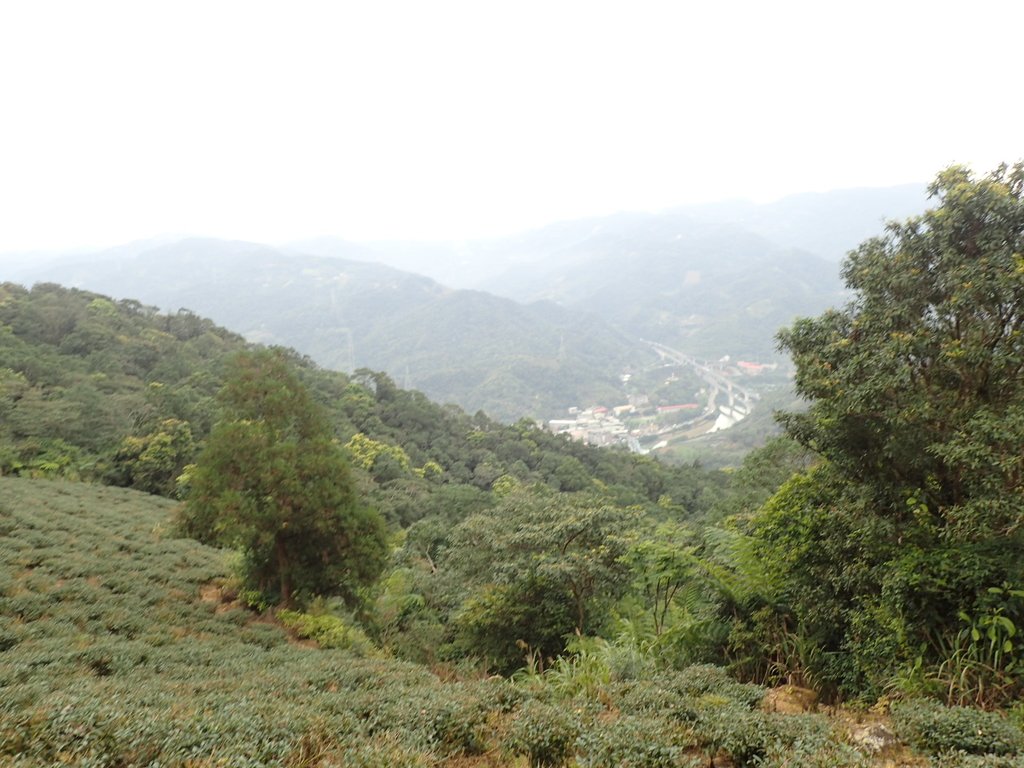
[[595, 426], [728, 403]]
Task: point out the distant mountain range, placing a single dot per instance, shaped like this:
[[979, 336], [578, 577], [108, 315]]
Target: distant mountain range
[[826, 224], [560, 313], [468, 347]]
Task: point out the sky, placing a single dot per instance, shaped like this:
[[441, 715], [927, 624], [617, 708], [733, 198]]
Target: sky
[[273, 121]]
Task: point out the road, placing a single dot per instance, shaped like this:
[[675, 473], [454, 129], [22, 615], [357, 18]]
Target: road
[[739, 397]]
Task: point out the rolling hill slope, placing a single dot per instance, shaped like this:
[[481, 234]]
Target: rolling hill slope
[[710, 289], [471, 348], [121, 646]]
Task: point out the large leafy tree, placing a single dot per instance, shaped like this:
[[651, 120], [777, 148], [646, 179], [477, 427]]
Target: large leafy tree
[[916, 394], [917, 386], [273, 483], [539, 566]]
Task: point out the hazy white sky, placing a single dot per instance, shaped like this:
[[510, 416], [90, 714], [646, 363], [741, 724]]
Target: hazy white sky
[[372, 119]]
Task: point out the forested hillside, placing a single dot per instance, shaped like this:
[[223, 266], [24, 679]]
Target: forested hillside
[[579, 295], [471, 348], [424, 587], [711, 290], [115, 391]]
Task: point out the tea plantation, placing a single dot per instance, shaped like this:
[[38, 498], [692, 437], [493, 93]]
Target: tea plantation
[[120, 646]]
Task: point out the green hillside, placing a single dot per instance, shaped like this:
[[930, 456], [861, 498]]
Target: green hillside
[[122, 645], [458, 591], [119, 393], [471, 348], [708, 289]]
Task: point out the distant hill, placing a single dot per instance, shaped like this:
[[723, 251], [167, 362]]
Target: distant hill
[[470, 348], [713, 279], [554, 314], [710, 289], [826, 224]]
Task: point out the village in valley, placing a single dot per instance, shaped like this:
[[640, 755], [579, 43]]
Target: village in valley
[[680, 399]]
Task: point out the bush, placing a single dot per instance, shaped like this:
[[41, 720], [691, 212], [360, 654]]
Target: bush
[[963, 760], [545, 733], [380, 754], [632, 742], [932, 727], [700, 679], [814, 755], [808, 741], [723, 725], [654, 697], [327, 631]]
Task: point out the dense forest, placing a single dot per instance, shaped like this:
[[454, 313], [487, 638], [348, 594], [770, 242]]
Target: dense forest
[[195, 521]]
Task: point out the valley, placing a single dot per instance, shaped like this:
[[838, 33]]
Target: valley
[[192, 520], [725, 396], [525, 326]]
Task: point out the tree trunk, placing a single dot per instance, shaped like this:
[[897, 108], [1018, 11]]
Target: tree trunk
[[283, 573]]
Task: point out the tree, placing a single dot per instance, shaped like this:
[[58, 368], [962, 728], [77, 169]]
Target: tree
[[917, 407], [153, 462], [540, 566], [916, 387], [273, 483]]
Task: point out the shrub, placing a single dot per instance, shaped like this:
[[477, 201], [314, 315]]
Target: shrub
[[808, 741], [458, 726], [655, 697], [723, 725], [963, 760], [814, 755], [545, 733], [380, 753], [327, 631], [633, 742], [932, 727]]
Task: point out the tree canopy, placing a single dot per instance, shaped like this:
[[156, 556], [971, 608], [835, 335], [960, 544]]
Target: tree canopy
[[273, 483], [917, 407]]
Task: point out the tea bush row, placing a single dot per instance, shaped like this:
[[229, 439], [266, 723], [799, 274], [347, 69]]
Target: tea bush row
[[935, 728]]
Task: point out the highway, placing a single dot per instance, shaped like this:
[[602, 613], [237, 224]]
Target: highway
[[739, 397]]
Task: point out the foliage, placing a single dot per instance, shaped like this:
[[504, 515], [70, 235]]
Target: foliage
[[916, 394], [153, 462], [123, 646], [762, 472], [271, 483], [327, 630], [109, 391], [632, 742], [84, 372], [545, 733], [980, 663], [541, 566], [965, 760], [381, 460], [931, 727]]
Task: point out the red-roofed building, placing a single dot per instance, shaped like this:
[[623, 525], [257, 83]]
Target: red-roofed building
[[673, 408]]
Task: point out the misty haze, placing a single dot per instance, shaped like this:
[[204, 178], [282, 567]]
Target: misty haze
[[534, 385]]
